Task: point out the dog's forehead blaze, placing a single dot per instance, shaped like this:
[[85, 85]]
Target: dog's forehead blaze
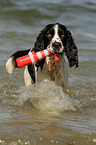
[[56, 29], [57, 33]]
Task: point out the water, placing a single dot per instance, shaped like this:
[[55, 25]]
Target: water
[[43, 114]]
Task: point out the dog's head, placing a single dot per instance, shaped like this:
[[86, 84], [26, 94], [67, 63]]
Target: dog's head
[[58, 39]]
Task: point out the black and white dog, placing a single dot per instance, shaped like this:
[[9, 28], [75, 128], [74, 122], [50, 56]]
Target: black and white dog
[[57, 39]]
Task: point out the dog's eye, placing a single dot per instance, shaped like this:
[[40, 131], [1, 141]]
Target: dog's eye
[[62, 35], [49, 35]]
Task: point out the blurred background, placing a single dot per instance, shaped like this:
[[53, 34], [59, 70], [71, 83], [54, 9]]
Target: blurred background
[[20, 23]]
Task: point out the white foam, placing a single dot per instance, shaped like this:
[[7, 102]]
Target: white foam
[[46, 97]]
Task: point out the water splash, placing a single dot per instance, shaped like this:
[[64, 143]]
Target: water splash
[[44, 96]]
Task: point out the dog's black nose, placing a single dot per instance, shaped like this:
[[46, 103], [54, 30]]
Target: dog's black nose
[[56, 45]]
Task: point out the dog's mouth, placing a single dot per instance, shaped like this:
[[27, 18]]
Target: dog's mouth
[[56, 48]]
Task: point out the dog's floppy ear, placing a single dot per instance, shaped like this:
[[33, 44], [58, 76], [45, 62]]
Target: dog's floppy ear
[[11, 62], [40, 44], [71, 50]]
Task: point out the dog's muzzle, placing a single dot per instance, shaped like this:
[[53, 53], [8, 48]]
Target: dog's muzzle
[[56, 46]]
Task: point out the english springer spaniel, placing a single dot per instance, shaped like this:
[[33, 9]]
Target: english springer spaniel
[[58, 40]]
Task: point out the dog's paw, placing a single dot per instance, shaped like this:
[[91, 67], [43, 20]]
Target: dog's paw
[[10, 65]]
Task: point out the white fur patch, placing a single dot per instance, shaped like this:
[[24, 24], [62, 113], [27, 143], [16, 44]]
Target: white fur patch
[[27, 78], [56, 38], [10, 65]]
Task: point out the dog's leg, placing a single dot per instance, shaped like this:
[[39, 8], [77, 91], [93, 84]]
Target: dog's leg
[[30, 76], [27, 78], [43, 74]]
